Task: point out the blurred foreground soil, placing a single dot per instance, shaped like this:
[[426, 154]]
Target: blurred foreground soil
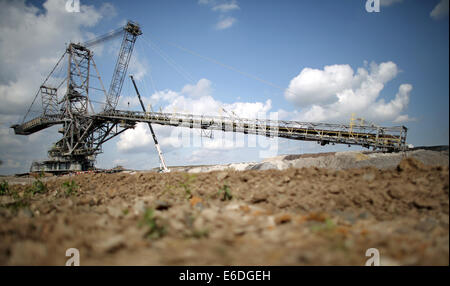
[[296, 216]]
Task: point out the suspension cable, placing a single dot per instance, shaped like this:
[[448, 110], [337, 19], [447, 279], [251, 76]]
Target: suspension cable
[[169, 60], [216, 62]]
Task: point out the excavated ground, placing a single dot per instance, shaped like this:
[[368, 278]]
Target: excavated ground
[[296, 216]]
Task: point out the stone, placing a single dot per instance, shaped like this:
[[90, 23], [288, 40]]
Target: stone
[[334, 189], [111, 244], [284, 203], [426, 224], [209, 214], [138, 207], [195, 200], [222, 175], [369, 177], [114, 211], [283, 218], [424, 203]]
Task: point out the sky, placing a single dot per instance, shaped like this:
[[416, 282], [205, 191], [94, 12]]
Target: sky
[[315, 61]]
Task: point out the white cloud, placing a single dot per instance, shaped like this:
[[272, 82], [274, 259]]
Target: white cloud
[[202, 88], [441, 10], [319, 86], [193, 99], [222, 7], [108, 10], [225, 23], [137, 66], [336, 92], [199, 155], [138, 138], [225, 7]]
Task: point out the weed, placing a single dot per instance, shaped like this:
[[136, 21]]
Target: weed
[[226, 193], [200, 233], [70, 188], [168, 189], [19, 202], [4, 188], [327, 225], [155, 229], [196, 233], [17, 205], [186, 185], [38, 187]]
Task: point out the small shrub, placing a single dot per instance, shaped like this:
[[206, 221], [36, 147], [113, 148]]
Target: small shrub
[[38, 187], [200, 233], [17, 205], [186, 185], [225, 190], [4, 188], [155, 229], [327, 225], [70, 188]]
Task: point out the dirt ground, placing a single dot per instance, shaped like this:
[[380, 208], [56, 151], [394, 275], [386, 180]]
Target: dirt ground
[[297, 216]]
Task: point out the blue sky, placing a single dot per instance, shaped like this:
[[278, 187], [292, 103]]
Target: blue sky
[[287, 43]]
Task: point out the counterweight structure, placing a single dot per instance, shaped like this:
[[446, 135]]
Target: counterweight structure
[[84, 130]]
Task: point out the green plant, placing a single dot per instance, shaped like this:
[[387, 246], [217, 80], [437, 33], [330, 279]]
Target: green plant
[[200, 233], [70, 187], [38, 187], [225, 190], [4, 188], [19, 204], [186, 185], [155, 229], [327, 225]]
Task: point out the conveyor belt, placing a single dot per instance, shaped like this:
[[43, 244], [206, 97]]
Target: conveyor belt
[[384, 138]]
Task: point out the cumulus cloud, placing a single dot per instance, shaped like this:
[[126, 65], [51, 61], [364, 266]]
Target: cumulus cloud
[[225, 23], [441, 10], [138, 138], [199, 101], [335, 92], [202, 88], [192, 99], [319, 86]]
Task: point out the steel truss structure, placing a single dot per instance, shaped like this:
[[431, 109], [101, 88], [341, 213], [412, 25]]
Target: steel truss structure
[[82, 135], [84, 130]]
